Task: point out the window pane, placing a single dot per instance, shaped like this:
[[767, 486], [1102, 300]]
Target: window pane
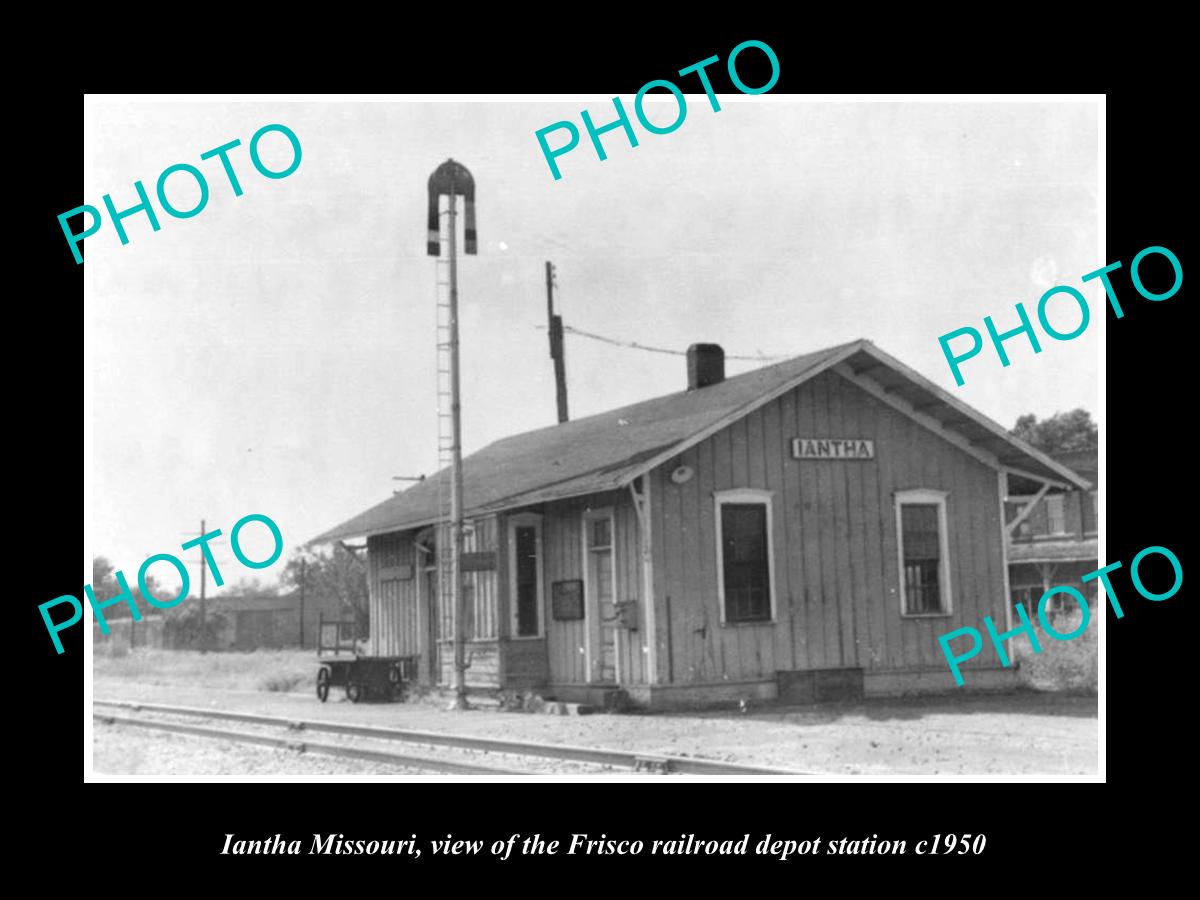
[[603, 571], [527, 586], [599, 532], [1038, 519], [921, 543], [920, 523], [744, 559], [921, 586], [1056, 514]]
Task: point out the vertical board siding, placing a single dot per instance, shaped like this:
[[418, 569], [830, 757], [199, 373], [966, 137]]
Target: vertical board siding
[[481, 600], [397, 621], [482, 586], [562, 533], [836, 569], [631, 643], [392, 599], [662, 574], [563, 549]]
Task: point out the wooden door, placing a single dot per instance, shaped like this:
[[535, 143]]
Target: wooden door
[[601, 596]]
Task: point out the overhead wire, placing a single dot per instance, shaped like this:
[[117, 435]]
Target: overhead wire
[[634, 345]]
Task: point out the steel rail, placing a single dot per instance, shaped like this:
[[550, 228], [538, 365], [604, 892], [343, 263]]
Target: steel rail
[[624, 759], [266, 740]]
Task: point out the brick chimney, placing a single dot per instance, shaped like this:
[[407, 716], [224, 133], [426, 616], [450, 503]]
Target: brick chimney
[[705, 365]]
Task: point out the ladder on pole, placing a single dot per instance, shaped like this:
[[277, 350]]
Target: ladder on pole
[[452, 179], [447, 565]]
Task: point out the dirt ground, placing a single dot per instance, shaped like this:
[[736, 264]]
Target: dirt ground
[[1024, 733], [124, 750]]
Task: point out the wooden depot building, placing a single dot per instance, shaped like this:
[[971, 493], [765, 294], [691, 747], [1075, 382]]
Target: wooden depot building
[[803, 531]]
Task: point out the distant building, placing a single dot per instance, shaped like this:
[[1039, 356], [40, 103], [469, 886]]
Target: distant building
[[268, 621], [1055, 542], [803, 531]]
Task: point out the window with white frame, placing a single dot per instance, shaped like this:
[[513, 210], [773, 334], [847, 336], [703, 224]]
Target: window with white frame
[[525, 575], [745, 556], [924, 553]]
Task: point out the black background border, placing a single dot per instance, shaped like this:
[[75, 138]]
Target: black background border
[[1147, 439]]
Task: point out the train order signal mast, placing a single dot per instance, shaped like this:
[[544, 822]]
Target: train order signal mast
[[452, 179]]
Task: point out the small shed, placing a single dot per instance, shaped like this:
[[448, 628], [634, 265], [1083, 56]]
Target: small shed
[[270, 621]]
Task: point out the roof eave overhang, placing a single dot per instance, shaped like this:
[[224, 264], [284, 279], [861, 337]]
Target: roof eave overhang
[[1065, 476]]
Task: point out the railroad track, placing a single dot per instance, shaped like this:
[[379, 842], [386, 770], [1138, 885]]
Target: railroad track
[[598, 758]]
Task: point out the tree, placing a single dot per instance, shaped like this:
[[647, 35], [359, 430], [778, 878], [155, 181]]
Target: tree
[[105, 587], [185, 630], [338, 578], [1061, 433], [248, 587]]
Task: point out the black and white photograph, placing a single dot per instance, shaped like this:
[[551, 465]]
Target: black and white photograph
[[526, 436]]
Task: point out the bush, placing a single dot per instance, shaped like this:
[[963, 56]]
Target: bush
[[1064, 665], [183, 629], [260, 670], [283, 683]]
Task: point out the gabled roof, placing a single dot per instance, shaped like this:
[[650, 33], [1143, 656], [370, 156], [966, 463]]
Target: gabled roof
[[609, 450]]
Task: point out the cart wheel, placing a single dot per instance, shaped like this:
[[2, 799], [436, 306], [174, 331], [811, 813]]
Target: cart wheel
[[323, 683], [353, 691]]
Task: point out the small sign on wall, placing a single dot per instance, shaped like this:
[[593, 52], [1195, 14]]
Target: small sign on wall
[[566, 600], [833, 448], [478, 561], [403, 572]]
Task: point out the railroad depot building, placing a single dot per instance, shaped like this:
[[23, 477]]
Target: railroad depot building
[[803, 531]]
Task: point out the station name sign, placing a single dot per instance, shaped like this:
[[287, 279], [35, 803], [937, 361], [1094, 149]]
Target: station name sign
[[832, 448]]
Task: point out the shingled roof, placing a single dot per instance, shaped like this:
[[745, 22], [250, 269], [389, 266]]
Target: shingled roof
[[609, 450]]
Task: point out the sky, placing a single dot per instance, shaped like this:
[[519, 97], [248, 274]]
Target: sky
[[275, 353]]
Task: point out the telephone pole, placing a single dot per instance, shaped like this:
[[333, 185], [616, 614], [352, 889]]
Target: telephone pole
[[204, 641], [303, 579], [203, 602], [556, 346]]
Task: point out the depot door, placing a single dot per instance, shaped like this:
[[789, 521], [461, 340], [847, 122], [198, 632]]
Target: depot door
[[600, 596]]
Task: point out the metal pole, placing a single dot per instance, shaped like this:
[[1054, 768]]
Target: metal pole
[[203, 605], [456, 485]]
